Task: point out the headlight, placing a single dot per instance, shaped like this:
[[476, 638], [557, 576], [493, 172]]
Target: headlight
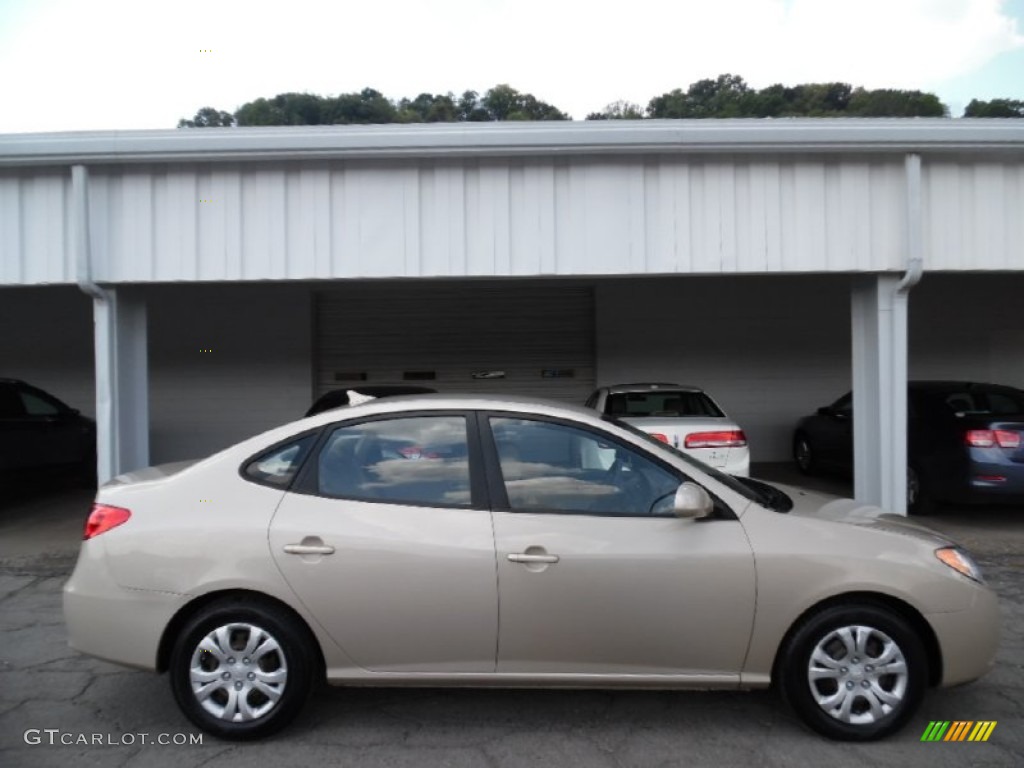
[[960, 561]]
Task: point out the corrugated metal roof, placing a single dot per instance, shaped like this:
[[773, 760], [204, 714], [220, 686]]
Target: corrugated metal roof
[[515, 138]]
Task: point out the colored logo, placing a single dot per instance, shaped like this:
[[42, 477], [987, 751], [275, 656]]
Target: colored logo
[[958, 730]]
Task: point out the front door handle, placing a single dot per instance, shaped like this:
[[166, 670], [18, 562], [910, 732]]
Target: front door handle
[[522, 557], [309, 549]]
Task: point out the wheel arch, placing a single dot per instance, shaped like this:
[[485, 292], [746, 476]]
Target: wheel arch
[[243, 596], [881, 600]]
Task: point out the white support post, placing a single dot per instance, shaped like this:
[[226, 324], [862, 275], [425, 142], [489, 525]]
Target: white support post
[[879, 325], [122, 384]]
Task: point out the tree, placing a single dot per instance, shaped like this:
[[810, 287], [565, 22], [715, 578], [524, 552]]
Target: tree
[[726, 96], [618, 110], [469, 108], [806, 100], [366, 107], [995, 108], [427, 108], [886, 102], [208, 117], [729, 96], [503, 102], [283, 109]]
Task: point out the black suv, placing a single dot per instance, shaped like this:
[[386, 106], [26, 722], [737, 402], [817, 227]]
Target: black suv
[[963, 442]]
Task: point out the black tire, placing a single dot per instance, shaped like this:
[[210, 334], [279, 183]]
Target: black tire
[[900, 695], [804, 455], [919, 500], [295, 654]]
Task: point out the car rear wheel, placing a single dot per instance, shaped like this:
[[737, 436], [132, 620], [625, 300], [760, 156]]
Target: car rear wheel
[[804, 455], [854, 672], [242, 669]]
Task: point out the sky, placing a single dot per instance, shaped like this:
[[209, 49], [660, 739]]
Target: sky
[[71, 65]]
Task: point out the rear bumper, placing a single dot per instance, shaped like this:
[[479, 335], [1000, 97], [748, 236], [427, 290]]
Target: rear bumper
[[110, 622], [985, 476], [732, 461]]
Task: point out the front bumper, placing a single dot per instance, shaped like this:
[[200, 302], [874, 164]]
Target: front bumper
[[968, 639]]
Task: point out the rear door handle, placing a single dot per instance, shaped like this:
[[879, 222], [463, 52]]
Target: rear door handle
[[309, 549], [519, 557]]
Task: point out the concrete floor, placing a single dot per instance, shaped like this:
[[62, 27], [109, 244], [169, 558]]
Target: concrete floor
[[44, 685]]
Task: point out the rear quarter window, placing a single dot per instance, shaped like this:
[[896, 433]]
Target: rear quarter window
[[278, 466]]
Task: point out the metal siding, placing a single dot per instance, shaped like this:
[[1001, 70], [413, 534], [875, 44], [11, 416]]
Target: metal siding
[[12, 252], [386, 329], [973, 215], [34, 216], [654, 214]]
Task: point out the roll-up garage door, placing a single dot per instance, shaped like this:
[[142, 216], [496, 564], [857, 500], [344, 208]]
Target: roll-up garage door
[[471, 337]]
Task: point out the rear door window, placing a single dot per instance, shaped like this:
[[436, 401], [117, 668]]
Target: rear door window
[[418, 460]]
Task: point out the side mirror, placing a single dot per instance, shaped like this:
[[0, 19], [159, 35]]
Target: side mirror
[[692, 502], [824, 411]]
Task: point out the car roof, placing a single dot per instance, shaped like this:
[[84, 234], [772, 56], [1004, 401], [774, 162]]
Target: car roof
[[651, 387], [442, 401]]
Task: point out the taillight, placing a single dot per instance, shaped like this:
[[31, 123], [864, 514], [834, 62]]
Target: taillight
[[102, 518], [659, 436], [986, 438], [733, 438]]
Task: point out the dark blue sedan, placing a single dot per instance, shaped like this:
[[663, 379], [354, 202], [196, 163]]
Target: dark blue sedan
[[963, 443]]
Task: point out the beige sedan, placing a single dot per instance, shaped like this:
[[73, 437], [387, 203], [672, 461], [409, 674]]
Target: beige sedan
[[470, 541]]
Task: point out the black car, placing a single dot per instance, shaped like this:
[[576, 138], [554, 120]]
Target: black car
[[39, 433], [963, 443], [336, 398]]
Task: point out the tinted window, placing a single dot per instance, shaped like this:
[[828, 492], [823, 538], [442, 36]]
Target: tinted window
[[36, 404], [556, 468], [1005, 403], [421, 460], [661, 403], [981, 401], [278, 466]]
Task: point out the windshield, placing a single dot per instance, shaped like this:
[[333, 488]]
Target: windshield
[[661, 403], [729, 481]]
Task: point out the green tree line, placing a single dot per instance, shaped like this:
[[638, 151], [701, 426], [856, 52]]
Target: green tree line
[[724, 96], [502, 102]]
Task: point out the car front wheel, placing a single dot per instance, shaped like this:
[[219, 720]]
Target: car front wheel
[[854, 672], [242, 669]]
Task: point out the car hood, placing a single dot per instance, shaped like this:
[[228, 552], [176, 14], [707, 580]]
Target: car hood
[[149, 474], [836, 509]]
